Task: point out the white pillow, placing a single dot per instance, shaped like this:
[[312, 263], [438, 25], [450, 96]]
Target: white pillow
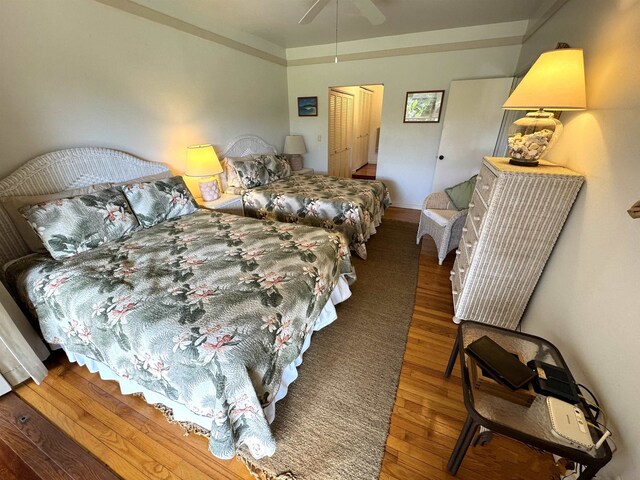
[[13, 204]]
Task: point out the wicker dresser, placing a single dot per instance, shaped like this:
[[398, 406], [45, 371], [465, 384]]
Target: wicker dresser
[[515, 216]]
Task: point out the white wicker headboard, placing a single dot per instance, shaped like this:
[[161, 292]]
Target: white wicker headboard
[[63, 170], [247, 145]]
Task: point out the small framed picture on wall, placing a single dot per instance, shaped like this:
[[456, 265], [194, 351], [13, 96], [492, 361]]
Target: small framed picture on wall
[[307, 106], [423, 107]]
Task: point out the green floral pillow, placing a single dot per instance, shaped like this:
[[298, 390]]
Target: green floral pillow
[[277, 166], [247, 173], [69, 226], [155, 202]]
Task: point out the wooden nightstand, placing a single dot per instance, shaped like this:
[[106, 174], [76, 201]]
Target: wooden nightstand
[[302, 171], [227, 203], [21, 349]]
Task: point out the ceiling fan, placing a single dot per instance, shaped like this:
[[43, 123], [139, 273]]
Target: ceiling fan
[[366, 7]]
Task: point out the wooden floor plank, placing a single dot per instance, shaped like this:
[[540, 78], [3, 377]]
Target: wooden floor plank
[[136, 442], [12, 467], [163, 433], [40, 464], [120, 463], [149, 447], [67, 455]]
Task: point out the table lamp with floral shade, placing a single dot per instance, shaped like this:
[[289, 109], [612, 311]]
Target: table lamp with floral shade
[[555, 82], [203, 163]]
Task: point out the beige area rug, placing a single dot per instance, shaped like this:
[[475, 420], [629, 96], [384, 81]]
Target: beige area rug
[[333, 423]]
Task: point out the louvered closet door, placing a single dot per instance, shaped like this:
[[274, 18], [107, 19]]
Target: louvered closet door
[[340, 119], [332, 134]]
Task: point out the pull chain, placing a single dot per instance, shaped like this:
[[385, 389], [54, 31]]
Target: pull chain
[[335, 60]]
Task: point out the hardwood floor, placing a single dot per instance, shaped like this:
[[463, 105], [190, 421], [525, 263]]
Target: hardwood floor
[[367, 172], [31, 448], [135, 441]]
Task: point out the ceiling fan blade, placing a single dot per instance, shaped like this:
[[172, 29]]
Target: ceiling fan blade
[[313, 12], [369, 10]]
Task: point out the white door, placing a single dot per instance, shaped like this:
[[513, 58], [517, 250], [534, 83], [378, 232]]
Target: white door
[[340, 127], [471, 125]]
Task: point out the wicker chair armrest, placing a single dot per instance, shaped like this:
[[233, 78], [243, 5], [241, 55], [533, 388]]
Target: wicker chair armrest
[[439, 201]]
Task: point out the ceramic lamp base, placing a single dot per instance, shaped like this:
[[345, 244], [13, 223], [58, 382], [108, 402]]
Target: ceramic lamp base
[[210, 190], [296, 162], [530, 137]]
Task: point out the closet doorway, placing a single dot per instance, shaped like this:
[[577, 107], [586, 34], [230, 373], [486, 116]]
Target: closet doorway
[[354, 130]]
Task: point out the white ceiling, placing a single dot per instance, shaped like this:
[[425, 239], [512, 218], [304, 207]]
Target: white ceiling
[[276, 21]]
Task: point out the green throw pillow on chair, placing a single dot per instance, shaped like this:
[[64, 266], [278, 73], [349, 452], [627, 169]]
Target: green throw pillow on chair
[[460, 194]]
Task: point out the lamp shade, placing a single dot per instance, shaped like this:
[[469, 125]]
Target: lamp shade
[[202, 161], [554, 82], [294, 145]]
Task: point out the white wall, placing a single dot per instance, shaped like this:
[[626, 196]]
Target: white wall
[[407, 153], [79, 73], [587, 301]]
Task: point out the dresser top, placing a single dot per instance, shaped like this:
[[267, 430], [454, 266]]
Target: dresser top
[[501, 164]]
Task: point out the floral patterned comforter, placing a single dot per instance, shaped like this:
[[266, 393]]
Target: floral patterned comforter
[[206, 310], [353, 207]]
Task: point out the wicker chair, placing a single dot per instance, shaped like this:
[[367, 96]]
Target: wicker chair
[[441, 221]]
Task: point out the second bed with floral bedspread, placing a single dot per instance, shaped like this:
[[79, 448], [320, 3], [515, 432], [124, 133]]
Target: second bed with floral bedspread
[[352, 207], [206, 310]]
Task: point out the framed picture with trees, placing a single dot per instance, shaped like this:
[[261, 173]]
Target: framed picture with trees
[[423, 107]]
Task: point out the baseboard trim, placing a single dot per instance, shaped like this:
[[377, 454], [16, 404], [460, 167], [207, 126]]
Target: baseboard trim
[[410, 206]]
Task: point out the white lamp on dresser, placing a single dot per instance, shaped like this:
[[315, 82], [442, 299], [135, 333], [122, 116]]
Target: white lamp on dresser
[[203, 163], [21, 349], [294, 147], [515, 216], [554, 83]]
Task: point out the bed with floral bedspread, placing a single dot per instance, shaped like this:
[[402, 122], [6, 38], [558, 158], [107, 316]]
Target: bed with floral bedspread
[[353, 207], [206, 310]]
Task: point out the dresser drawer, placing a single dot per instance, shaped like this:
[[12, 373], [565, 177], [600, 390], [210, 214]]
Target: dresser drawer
[[477, 211], [456, 287], [465, 259], [468, 243], [484, 183], [469, 238]]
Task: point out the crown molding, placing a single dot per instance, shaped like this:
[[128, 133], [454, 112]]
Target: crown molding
[[464, 38], [153, 15], [461, 38], [418, 50]]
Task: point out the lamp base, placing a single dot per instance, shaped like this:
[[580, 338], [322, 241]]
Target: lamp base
[[210, 189], [523, 163], [296, 162], [530, 137]]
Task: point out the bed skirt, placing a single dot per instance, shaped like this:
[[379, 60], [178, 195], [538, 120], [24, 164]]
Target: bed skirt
[[328, 315]]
